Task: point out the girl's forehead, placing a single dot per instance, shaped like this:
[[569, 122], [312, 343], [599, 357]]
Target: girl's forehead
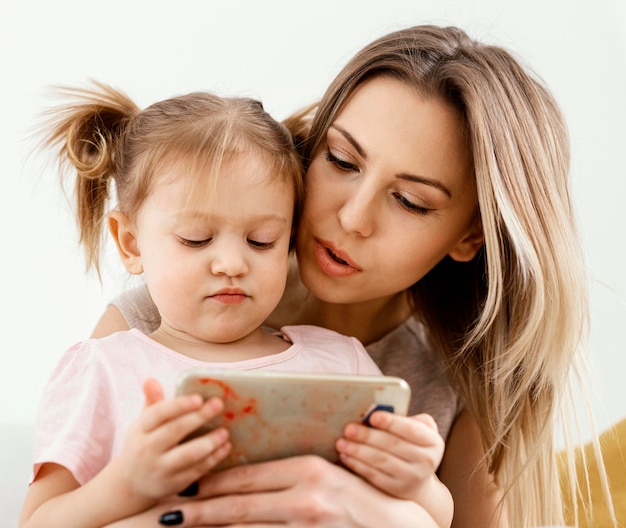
[[229, 197], [195, 180]]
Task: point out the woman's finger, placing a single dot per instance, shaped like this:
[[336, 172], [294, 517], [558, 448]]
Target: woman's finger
[[269, 476]]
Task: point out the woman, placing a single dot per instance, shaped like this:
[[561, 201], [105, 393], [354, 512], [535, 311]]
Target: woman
[[438, 229]]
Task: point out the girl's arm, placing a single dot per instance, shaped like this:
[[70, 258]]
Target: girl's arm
[[56, 499], [152, 465], [476, 495]]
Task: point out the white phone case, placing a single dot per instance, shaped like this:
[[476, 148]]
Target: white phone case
[[274, 415]]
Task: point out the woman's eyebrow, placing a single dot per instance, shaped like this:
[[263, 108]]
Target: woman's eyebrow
[[403, 176], [426, 181], [350, 139]]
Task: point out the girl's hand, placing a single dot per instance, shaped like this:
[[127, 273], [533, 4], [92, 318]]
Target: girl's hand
[[400, 455], [299, 492], [154, 462]]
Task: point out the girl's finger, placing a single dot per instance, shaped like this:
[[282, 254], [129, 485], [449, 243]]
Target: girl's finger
[[183, 410], [377, 448], [405, 432], [152, 391], [199, 454], [410, 428], [367, 459]]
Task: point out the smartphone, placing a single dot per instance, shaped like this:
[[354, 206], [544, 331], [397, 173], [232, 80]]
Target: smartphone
[[272, 415]]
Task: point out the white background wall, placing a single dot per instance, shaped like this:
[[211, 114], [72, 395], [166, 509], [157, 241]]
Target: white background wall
[[285, 53]]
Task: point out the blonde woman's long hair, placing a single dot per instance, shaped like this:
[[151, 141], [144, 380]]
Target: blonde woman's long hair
[[510, 324]]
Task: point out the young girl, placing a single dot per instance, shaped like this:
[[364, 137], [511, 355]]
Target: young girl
[[207, 191], [438, 228]]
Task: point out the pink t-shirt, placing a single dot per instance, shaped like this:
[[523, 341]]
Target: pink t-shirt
[[95, 392]]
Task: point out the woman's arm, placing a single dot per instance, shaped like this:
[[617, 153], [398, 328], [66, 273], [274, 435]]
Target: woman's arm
[[309, 491], [476, 496], [110, 322], [300, 491]]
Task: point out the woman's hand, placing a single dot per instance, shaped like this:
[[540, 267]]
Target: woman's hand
[[300, 491], [400, 455]]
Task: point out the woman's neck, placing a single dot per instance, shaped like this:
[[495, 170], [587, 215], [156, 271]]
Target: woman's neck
[[367, 321]]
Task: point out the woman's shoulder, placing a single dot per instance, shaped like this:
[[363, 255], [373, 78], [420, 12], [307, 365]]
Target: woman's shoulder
[[407, 352], [138, 309]]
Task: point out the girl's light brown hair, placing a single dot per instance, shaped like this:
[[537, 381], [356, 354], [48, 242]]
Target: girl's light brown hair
[[113, 146]]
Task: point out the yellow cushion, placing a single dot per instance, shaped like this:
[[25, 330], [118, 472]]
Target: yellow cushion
[[613, 446]]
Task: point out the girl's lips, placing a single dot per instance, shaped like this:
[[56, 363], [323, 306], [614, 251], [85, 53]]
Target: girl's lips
[[229, 296], [333, 262]]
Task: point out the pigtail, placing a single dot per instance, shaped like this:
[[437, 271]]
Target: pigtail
[[89, 133]]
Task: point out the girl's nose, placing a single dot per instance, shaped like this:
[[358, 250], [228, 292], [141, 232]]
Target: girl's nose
[[229, 258]]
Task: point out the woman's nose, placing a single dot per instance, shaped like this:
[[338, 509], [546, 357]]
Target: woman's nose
[[357, 213]]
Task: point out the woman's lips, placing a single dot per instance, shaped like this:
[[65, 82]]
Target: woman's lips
[[334, 262]]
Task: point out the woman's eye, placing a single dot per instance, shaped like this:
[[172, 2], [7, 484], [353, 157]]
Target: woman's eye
[[194, 243], [341, 164], [260, 245], [410, 206]]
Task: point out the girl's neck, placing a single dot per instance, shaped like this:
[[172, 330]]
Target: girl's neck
[[257, 344]]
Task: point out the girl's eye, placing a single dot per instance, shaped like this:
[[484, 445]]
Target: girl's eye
[[194, 243], [410, 206], [260, 245], [341, 164]]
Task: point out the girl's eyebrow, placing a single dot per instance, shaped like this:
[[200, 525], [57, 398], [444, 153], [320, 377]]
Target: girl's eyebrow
[[203, 215], [403, 176]]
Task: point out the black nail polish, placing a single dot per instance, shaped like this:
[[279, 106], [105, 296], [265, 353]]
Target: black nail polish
[[172, 518], [377, 407], [190, 491]]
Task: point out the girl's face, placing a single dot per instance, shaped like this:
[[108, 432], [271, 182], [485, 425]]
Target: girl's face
[[216, 263], [388, 194]]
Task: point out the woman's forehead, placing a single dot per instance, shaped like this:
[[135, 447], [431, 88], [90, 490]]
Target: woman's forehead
[[388, 120]]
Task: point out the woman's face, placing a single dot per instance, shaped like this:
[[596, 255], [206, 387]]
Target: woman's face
[[390, 192]]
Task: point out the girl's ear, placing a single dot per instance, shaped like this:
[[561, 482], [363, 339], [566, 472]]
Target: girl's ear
[[469, 245], [122, 232]]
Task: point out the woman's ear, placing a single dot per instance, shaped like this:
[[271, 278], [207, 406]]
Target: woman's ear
[[469, 245], [123, 233]]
